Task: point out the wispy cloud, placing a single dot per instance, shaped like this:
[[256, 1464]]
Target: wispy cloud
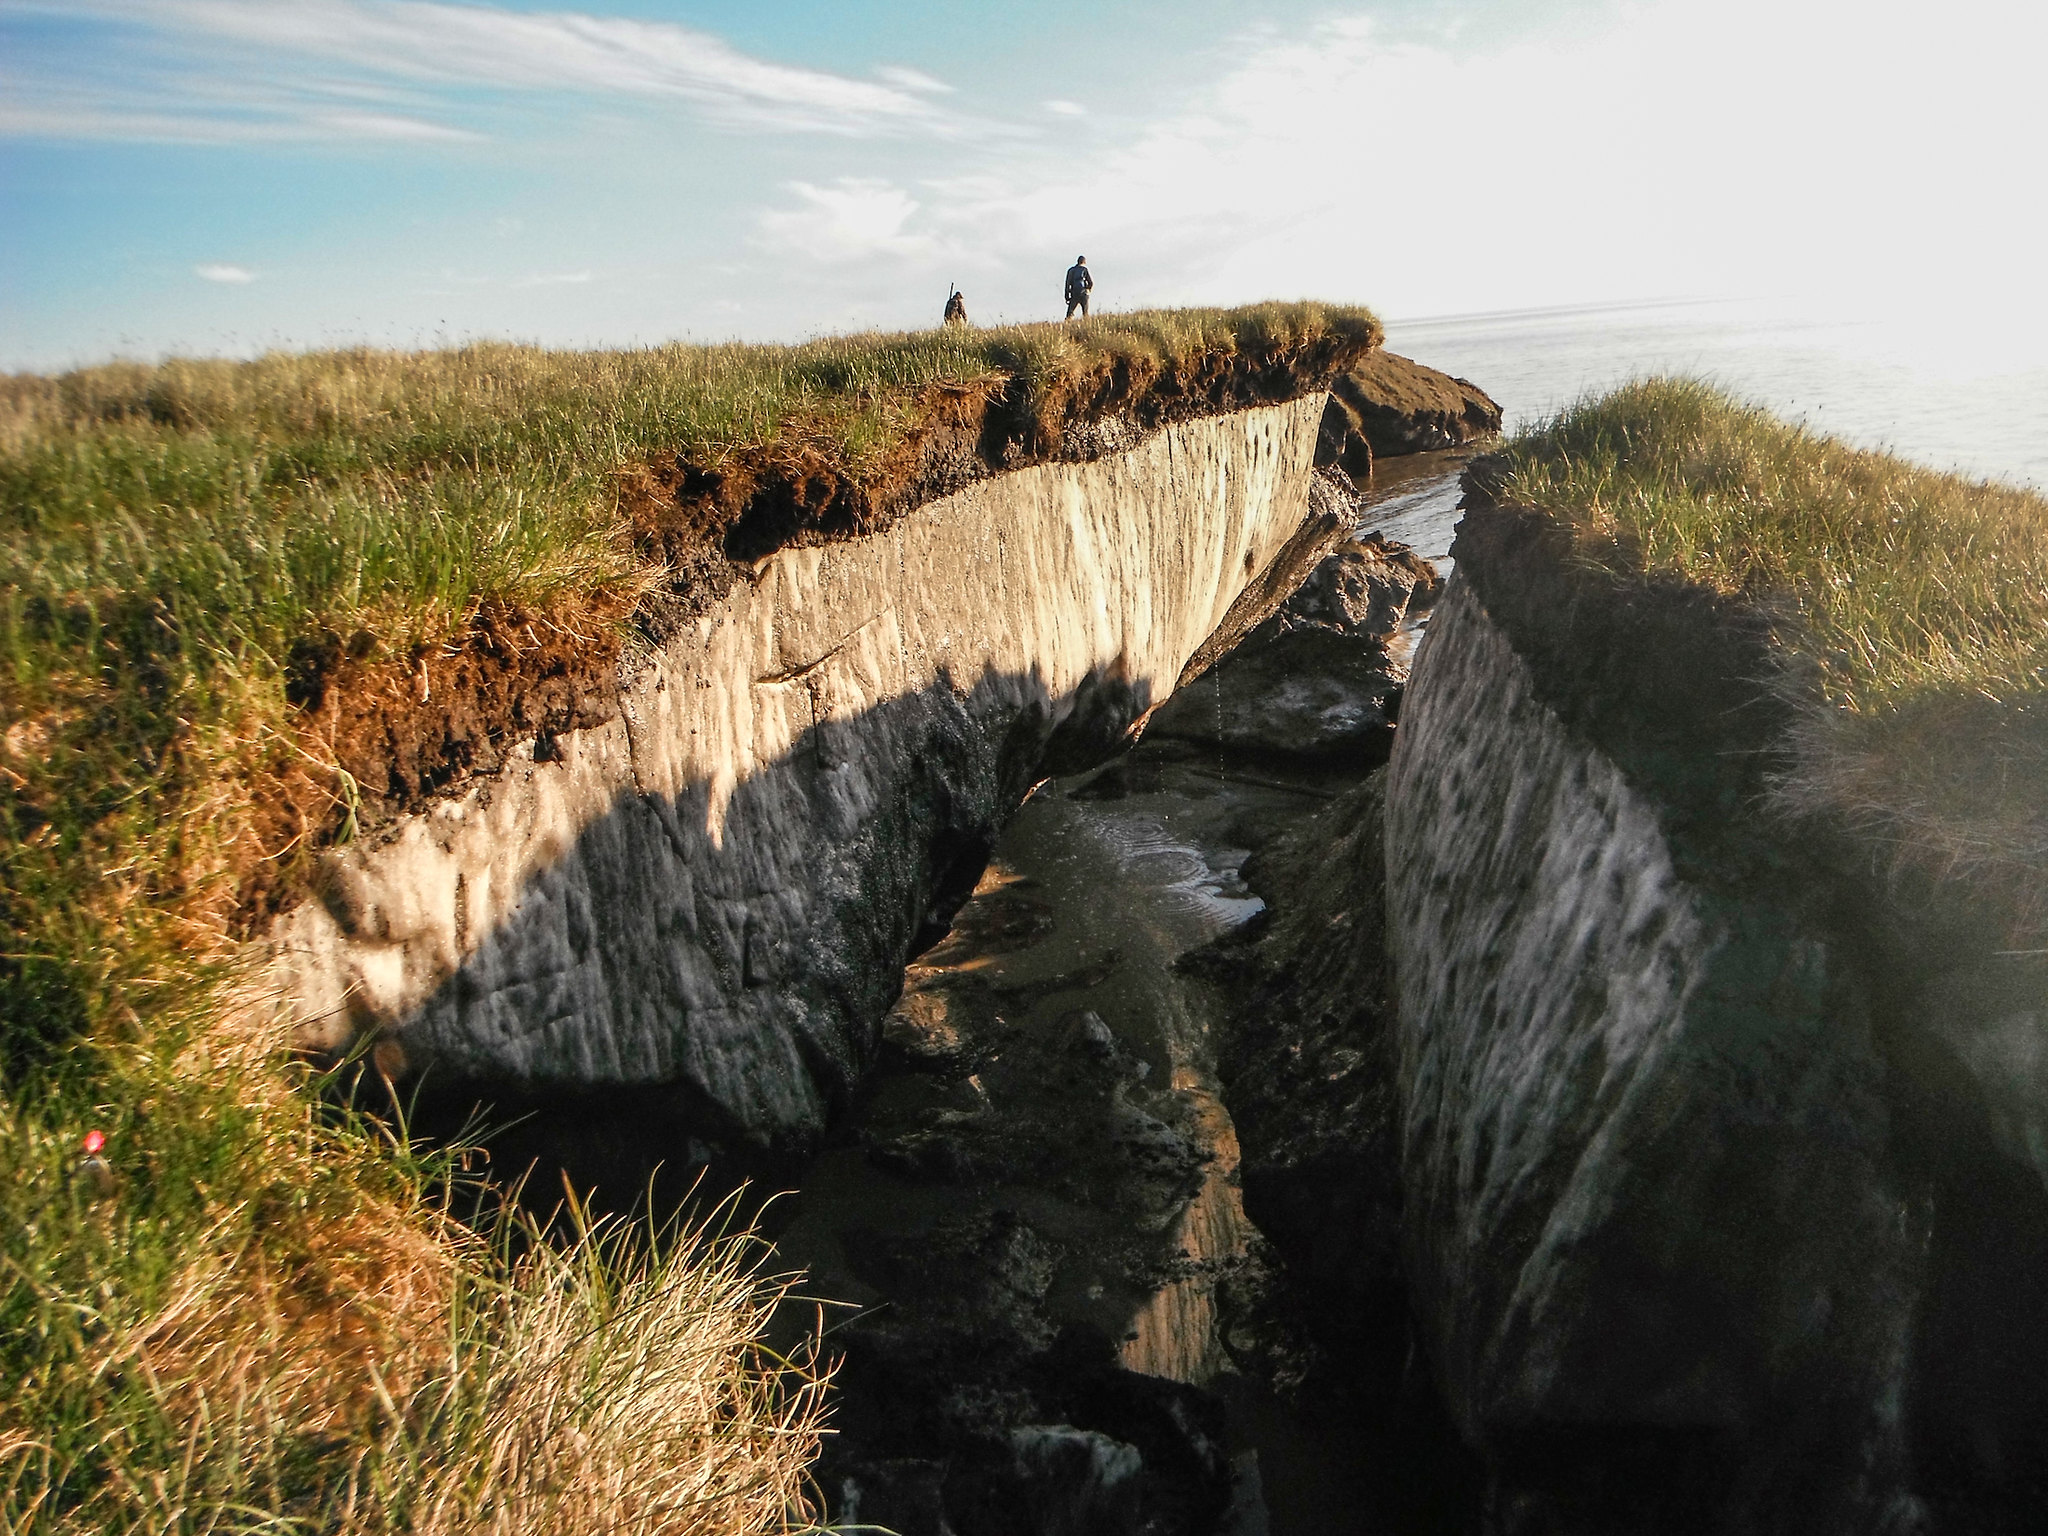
[[552, 279], [384, 125], [155, 68], [95, 119], [913, 80], [223, 272], [1062, 108]]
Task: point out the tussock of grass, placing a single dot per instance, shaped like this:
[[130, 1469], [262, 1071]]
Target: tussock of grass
[[275, 1323], [1919, 601], [609, 1387]]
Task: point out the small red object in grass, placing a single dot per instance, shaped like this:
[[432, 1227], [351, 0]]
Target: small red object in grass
[[94, 1168]]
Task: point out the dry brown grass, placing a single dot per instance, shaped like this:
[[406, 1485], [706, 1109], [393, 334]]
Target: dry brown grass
[[623, 1393], [380, 1380], [277, 1324], [311, 1333]]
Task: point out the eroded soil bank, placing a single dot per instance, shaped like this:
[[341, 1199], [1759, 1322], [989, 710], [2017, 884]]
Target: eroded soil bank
[[715, 893]]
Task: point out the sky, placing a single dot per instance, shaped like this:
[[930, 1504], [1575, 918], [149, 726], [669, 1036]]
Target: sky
[[228, 176]]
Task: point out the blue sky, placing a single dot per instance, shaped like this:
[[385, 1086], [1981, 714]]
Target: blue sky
[[208, 176]]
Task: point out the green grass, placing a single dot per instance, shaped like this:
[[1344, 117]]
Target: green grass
[[1906, 580], [167, 533], [1920, 598]]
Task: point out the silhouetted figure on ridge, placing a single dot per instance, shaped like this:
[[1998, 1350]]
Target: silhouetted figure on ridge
[[956, 306], [1079, 283]]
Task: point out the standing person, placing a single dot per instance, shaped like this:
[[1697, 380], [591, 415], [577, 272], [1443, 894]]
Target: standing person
[[1079, 284], [956, 306]]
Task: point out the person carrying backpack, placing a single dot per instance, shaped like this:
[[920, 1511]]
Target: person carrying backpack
[[1079, 285]]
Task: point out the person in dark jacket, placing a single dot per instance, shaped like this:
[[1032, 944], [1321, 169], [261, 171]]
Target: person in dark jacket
[[956, 308], [1079, 284]]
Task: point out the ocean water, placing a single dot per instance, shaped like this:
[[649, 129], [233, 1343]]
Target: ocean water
[[1414, 501], [1960, 392]]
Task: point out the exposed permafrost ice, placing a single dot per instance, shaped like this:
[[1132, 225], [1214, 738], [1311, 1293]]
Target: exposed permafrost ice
[[1645, 1135]]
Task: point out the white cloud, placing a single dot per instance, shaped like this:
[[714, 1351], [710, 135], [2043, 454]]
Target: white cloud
[[28, 120], [852, 218], [912, 79], [385, 125], [117, 93], [552, 279], [224, 272], [431, 48], [1063, 108]]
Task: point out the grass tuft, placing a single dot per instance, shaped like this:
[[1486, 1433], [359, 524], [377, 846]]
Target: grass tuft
[[615, 1384], [1906, 580]]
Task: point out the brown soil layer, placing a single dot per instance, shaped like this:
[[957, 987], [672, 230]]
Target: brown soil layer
[[402, 729]]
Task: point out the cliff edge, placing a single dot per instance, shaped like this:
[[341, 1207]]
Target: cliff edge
[[1721, 1201]]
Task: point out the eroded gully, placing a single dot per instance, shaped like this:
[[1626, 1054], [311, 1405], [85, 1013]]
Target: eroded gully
[[1050, 1311]]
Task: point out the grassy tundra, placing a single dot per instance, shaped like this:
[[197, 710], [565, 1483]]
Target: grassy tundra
[[274, 1320], [1918, 600]]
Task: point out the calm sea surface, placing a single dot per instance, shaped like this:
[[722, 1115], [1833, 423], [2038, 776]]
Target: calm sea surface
[[1966, 396]]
